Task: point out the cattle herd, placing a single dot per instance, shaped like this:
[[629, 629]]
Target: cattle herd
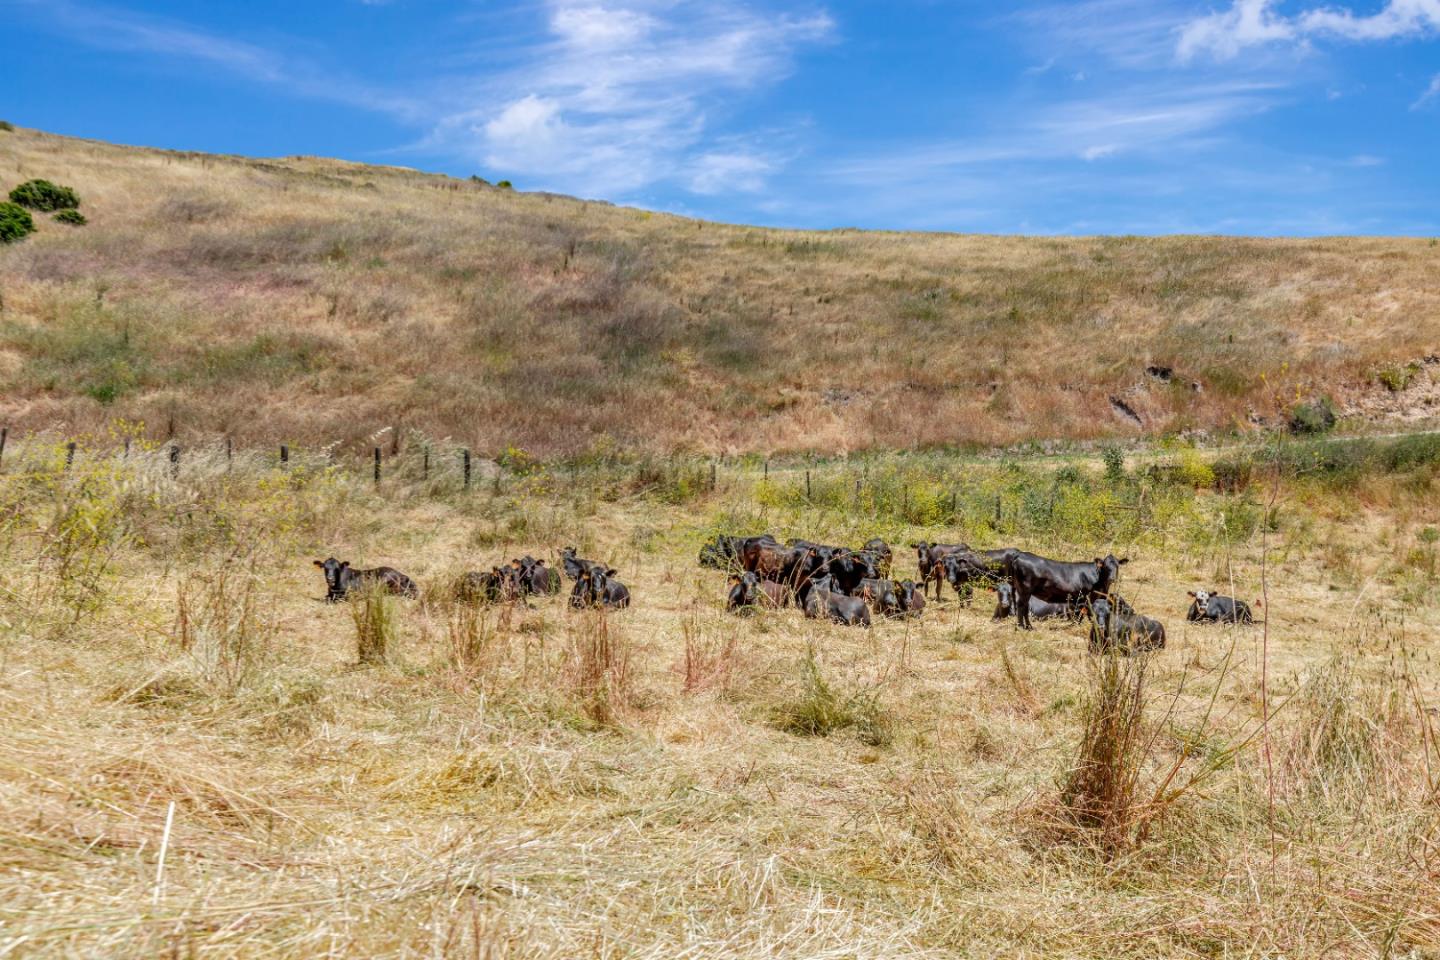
[[842, 585], [847, 585]]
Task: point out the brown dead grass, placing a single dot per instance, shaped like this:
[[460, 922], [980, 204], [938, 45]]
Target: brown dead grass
[[315, 301], [522, 785]]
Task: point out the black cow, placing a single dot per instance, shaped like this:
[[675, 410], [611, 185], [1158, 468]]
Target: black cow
[[1039, 609], [475, 587], [882, 596], [723, 553], [748, 591], [596, 587], [744, 591], [931, 559], [822, 603], [341, 578], [1209, 607], [575, 566], [847, 569], [537, 578], [912, 604], [1056, 581], [967, 568], [880, 550], [1123, 632]]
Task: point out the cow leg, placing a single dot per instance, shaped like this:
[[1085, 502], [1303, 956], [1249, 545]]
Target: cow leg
[[1022, 608]]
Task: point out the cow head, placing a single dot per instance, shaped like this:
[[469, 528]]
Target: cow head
[[1109, 568], [334, 571], [1098, 607], [1004, 599], [1202, 598]]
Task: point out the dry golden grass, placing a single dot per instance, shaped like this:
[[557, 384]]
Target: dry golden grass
[[219, 777], [317, 302]]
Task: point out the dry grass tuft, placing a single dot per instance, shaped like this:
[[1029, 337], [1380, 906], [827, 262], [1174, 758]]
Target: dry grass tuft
[[1101, 791], [373, 613]]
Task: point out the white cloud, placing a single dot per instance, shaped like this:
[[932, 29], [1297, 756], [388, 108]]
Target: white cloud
[[623, 95], [1250, 23], [1224, 35]]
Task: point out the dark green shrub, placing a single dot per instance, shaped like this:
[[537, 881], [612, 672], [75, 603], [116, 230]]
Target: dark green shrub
[[73, 217], [6, 126], [505, 185], [476, 178], [1317, 416], [15, 223], [44, 196]]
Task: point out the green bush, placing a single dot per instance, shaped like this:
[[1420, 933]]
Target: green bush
[[1317, 416], [6, 126], [44, 196], [15, 223], [73, 217], [505, 185]]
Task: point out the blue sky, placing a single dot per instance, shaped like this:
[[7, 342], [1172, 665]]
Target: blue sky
[[1034, 116]]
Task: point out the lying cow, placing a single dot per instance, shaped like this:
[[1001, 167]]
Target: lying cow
[[882, 596], [748, 591], [1056, 581], [1039, 609], [574, 565], [597, 587], [879, 552], [1210, 607], [1125, 633], [823, 603], [531, 576], [723, 553], [476, 587], [341, 578], [912, 603]]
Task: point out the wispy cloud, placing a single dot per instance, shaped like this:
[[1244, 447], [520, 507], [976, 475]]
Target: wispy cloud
[[1251, 23], [618, 97], [1431, 92]]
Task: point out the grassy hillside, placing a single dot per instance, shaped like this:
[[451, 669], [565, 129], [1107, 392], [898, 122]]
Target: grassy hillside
[[318, 302]]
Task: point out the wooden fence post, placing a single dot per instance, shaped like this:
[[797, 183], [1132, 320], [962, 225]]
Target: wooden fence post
[[465, 462], [807, 484], [425, 465], [4, 435], [175, 461], [377, 464], [712, 474], [284, 455], [69, 454]]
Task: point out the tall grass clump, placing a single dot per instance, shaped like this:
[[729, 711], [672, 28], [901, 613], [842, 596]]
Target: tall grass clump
[[374, 617], [1100, 793], [600, 668], [819, 710], [224, 621]]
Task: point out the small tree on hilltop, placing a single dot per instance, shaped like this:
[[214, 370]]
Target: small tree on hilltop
[[44, 196]]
